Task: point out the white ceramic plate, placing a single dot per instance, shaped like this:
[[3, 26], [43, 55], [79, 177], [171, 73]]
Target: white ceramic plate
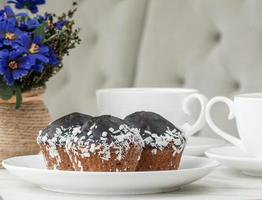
[[32, 169], [235, 158], [197, 146]]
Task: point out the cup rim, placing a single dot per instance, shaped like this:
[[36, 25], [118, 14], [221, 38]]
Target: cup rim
[[256, 95], [146, 89]]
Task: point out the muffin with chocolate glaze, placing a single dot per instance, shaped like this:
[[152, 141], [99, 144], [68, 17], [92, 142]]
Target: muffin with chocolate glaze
[[105, 144], [52, 140], [163, 142]]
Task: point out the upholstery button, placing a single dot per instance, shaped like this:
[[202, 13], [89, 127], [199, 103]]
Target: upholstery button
[[217, 37], [236, 85], [180, 81]]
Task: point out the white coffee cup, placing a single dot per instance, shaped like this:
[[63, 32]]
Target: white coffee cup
[[171, 103], [247, 109]]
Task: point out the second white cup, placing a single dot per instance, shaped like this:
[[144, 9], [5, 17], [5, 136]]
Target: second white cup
[[247, 109]]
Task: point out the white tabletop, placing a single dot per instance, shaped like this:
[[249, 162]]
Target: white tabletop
[[223, 183]]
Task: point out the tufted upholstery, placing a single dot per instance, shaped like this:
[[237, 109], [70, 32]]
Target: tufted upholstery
[[214, 46]]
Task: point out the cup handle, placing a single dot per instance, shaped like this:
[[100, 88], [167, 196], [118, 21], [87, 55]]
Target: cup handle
[[237, 142], [192, 129]]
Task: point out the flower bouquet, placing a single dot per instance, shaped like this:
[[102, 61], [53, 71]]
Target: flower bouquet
[[32, 47]]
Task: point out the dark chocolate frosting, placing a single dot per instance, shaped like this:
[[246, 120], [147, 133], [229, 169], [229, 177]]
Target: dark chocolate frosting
[[149, 121], [57, 132], [156, 131], [105, 126], [73, 119]]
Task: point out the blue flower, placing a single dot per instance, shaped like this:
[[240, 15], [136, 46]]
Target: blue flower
[[9, 33], [29, 25], [41, 53], [51, 24], [27, 4], [37, 51], [14, 65], [60, 24], [7, 12], [53, 60]]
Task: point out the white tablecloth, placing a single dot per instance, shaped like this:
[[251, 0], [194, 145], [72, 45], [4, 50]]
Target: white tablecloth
[[223, 183]]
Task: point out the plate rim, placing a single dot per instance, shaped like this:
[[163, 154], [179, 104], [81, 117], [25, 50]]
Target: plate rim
[[211, 155], [211, 163]]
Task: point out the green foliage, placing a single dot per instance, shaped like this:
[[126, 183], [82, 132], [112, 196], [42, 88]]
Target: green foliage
[[7, 92], [40, 31], [19, 99]]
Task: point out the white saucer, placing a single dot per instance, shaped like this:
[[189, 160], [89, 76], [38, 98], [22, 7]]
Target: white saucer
[[197, 146], [32, 169], [235, 158]]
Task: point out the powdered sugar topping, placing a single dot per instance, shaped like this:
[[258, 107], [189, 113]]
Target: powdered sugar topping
[[175, 138], [116, 140]]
